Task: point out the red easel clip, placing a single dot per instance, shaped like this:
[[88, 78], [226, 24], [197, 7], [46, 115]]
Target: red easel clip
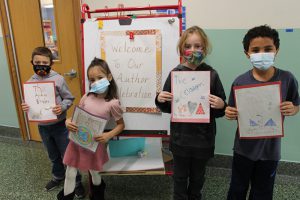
[[131, 35]]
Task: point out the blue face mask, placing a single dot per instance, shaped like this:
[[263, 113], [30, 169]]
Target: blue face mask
[[100, 86], [262, 61]]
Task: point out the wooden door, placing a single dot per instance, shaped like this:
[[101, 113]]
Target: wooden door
[[26, 25]]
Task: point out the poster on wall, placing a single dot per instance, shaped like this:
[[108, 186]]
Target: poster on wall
[[134, 57], [40, 97], [190, 91], [259, 110]]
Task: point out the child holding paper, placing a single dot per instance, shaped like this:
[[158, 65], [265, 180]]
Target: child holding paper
[[192, 144], [102, 100], [54, 134], [255, 160]]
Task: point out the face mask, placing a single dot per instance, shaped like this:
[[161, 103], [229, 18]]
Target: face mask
[[262, 61], [41, 70], [100, 86], [193, 57]]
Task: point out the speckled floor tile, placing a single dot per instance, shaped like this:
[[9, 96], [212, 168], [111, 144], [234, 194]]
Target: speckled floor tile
[[25, 169]]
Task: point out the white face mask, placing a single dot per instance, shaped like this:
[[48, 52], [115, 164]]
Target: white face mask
[[262, 61]]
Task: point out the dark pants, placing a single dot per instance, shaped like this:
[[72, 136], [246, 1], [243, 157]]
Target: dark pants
[[55, 139], [188, 177], [259, 174]]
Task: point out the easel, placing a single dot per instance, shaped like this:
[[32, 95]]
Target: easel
[[121, 9], [120, 14]]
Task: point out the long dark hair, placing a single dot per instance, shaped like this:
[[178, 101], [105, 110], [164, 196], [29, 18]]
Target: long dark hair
[[112, 92]]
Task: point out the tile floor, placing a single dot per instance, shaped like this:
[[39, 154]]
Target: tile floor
[[25, 169]]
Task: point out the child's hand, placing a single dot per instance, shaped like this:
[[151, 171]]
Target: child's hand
[[103, 138], [57, 109], [231, 113], [164, 96], [25, 107], [287, 108], [71, 126], [216, 102]]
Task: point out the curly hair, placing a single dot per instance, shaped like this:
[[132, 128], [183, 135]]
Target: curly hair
[[261, 31]]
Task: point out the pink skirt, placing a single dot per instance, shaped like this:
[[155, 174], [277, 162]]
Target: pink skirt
[[83, 159]]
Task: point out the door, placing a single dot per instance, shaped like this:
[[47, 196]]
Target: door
[[30, 30]]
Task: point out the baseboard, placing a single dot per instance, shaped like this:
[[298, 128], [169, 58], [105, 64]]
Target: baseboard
[[10, 132], [284, 167]]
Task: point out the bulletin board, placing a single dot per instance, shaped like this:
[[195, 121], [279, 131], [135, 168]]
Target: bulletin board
[[107, 39]]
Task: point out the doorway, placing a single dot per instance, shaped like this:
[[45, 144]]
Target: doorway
[[29, 24]]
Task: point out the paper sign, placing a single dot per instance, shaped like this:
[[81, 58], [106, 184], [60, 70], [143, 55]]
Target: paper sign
[[258, 108], [190, 91], [88, 126], [40, 96], [134, 57]]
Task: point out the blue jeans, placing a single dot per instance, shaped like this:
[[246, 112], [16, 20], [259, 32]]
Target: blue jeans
[[55, 139], [259, 174]]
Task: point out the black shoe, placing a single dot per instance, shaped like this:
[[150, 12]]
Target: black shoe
[[97, 191], [52, 184], [79, 191], [61, 196]]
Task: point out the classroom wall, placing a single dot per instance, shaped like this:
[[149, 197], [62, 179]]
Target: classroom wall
[[226, 22], [8, 114], [233, 14]]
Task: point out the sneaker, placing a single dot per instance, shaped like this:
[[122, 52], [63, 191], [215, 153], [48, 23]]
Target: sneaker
[[52, 184], [79, 191]]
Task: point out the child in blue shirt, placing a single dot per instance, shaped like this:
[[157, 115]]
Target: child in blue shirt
[[255, 160]]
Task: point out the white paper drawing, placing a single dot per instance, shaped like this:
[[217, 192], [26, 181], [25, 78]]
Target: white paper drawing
[[190, 96], [88, 126], [40, 96], [258, 110]]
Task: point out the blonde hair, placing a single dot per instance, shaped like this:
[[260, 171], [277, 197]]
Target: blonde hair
[[194, 29]]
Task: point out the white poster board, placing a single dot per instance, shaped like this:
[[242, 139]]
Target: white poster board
[[89, 126], [258, 108], [170, 59], [152, 160], [190, 91], [134, 58], [40, 97]]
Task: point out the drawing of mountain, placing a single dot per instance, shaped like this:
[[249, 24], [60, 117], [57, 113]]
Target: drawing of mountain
[[200, 110], [252, 123], [270, 122]]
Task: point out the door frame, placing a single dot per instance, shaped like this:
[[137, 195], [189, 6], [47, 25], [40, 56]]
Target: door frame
[[12, 59]]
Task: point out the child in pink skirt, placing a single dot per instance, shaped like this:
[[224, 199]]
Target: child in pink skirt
[[102, 100]]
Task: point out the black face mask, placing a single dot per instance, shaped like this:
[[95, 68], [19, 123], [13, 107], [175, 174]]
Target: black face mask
[[41, 70]]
